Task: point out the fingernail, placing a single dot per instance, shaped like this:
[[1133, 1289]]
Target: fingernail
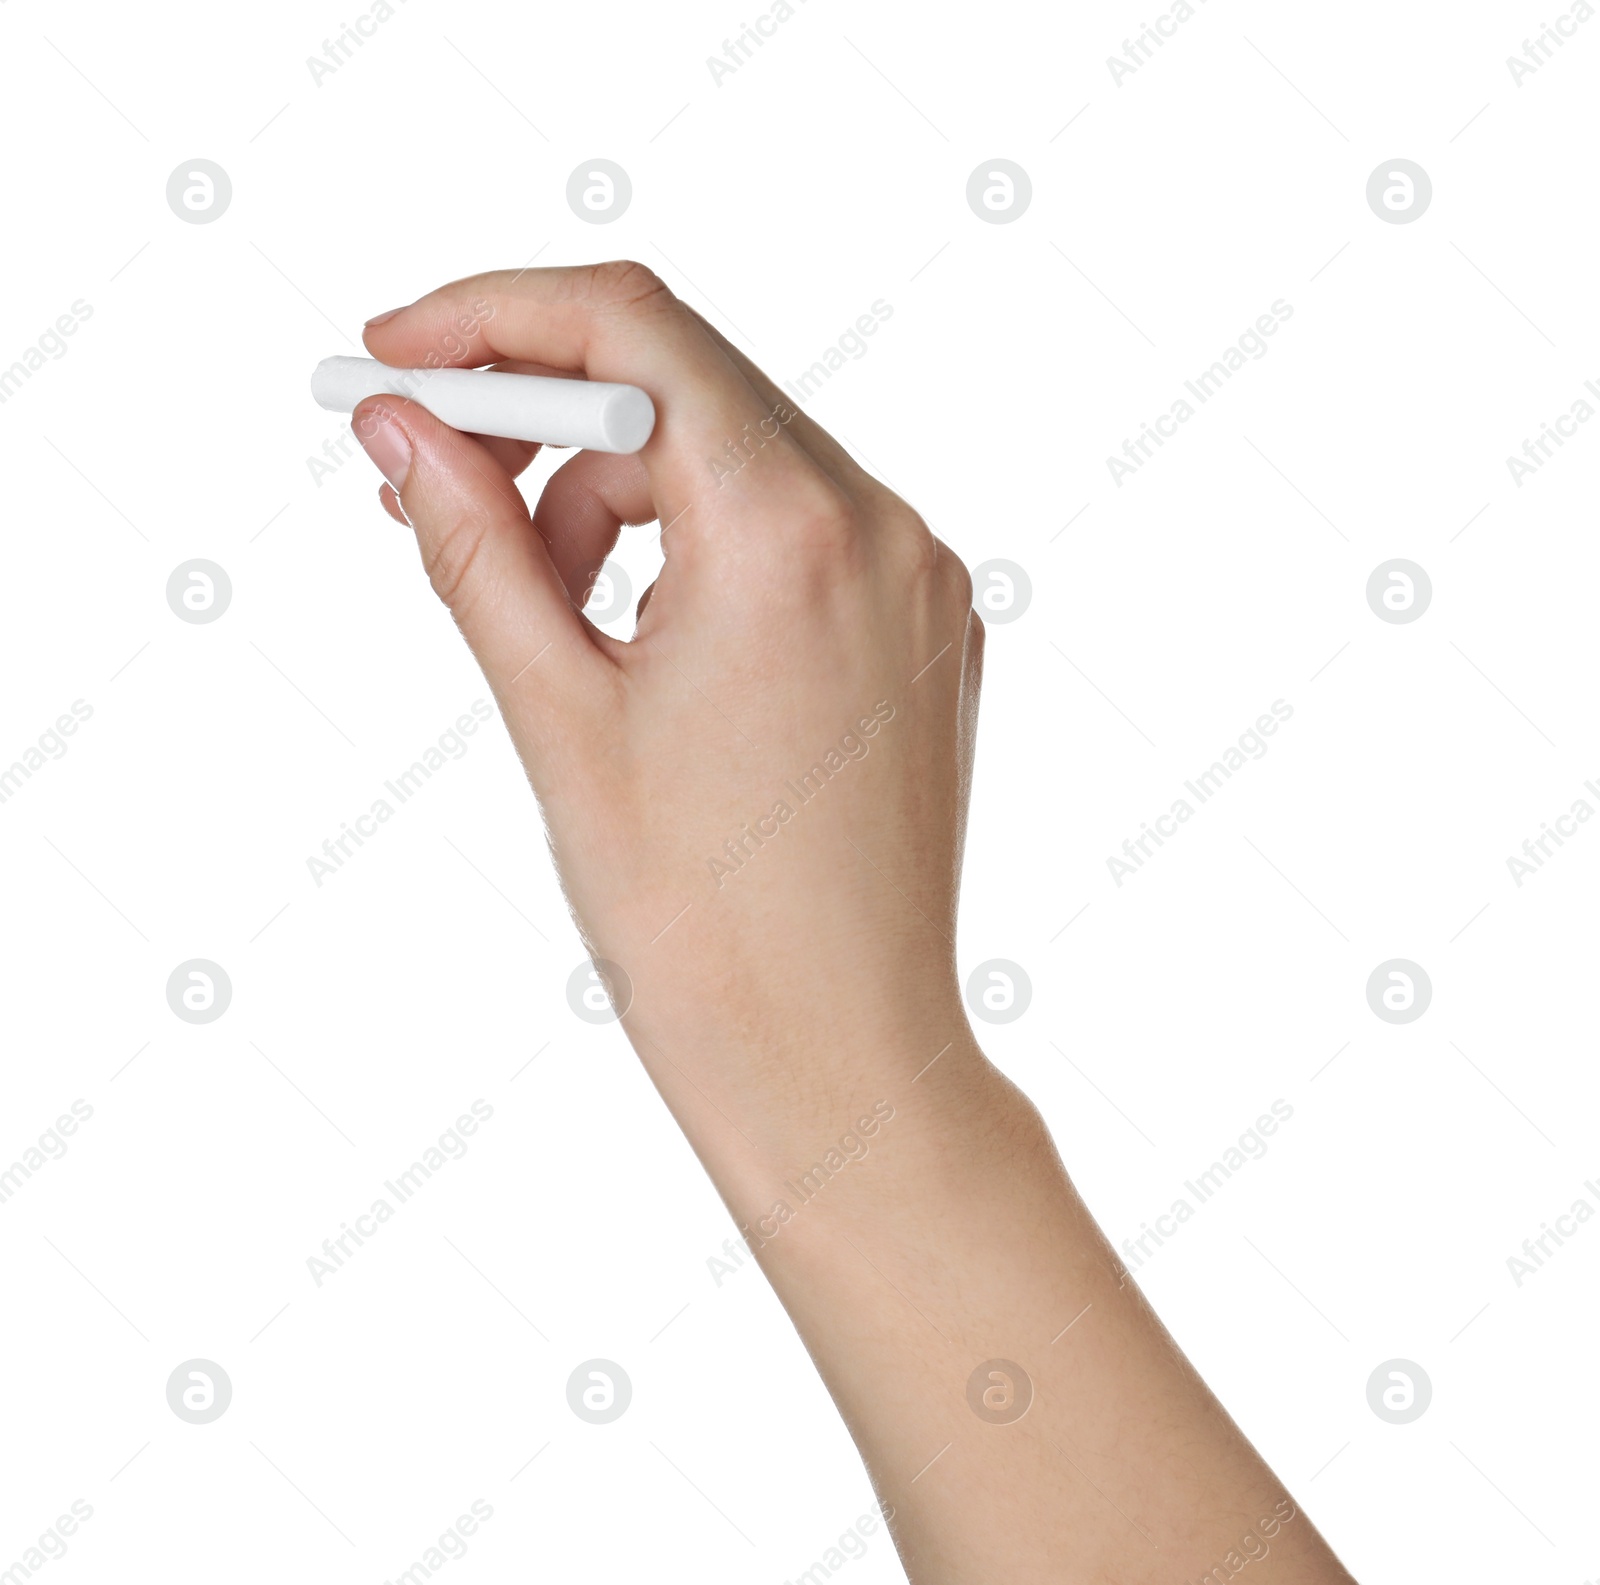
[[388, 445], [382, 319]]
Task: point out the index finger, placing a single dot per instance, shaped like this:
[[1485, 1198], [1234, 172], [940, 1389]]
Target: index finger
[[615, 321]]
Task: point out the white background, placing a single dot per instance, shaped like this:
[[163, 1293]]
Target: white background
[[1167, 613]]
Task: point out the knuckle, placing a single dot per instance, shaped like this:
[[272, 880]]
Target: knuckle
[[816, 530], [625, 284], [451, 558], [821, 514], [954, 570], [903, 528]]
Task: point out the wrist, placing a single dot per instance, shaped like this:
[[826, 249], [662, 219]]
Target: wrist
[[928, 1165], [796, 1061], [840, 1121]]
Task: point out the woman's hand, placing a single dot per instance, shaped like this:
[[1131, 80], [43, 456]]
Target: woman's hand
[[757, 805], [757, 809]]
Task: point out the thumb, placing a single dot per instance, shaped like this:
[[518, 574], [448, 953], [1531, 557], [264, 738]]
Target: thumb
[[486, 562]]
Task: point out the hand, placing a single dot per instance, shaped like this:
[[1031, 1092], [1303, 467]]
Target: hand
[[757, 805], [757, 809]]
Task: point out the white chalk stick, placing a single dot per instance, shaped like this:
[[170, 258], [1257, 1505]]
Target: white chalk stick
[[587, 413]]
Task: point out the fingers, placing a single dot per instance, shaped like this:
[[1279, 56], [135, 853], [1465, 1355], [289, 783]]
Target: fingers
[[484, 560], [512, 455], [583, 508], [615, 322], [391, 504]]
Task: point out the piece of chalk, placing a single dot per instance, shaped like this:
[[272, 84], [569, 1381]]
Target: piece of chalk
[[587, 413]]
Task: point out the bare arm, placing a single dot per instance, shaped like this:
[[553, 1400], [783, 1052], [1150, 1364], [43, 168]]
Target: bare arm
[[757, 807]]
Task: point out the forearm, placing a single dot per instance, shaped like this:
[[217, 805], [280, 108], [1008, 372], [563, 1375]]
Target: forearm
[[757, 806], [949, 1237]]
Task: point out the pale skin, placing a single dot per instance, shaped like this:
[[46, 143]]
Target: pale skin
[[801, 983]]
